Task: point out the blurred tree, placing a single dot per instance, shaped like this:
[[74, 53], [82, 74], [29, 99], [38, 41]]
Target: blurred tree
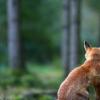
[[75, 31], [14, 40], [40, 28], [95, 5], [66, 35]]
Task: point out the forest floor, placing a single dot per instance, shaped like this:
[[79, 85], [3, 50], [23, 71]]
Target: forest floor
[[41, 83]]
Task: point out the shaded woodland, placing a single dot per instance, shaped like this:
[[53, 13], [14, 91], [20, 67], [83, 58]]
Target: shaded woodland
[[41, 41]]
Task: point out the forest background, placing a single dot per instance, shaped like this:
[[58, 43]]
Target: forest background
[[40, 42]]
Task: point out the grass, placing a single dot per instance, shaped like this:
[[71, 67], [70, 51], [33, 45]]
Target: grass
[[45, 70], [38, 78], [48, 74]]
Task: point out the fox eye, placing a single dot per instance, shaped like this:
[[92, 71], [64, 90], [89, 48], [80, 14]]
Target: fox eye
[[86, 45]]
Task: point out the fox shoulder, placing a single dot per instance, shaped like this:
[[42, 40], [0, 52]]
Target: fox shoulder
[[75, 77]]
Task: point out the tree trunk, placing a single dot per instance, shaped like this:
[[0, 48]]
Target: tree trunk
[[75, 32], [98, 41], [14, 43], [65, 35]]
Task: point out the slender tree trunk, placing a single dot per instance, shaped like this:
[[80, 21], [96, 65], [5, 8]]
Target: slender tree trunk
[[14, 43], [98, 42], [65, 35], [75, 32]]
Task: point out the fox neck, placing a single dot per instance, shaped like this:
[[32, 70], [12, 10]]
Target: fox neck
[[95, 57]]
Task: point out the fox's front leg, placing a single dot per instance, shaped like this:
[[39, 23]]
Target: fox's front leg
[[82, 94], [96, 84]]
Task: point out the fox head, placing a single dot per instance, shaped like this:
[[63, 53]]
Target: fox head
[[91, 52]]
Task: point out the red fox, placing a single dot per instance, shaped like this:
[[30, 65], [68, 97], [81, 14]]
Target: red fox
[[74, 87]]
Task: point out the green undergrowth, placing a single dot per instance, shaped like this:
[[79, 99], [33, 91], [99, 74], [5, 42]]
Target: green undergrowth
[[38, 77], [32, 84]]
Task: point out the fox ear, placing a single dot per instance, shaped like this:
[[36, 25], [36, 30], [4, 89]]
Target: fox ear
[[86, 45]]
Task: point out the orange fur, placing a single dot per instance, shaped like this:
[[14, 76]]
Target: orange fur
[[74, 87]]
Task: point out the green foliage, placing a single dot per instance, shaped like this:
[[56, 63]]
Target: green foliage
[[39, 28], [46, 97], [35, 81], [3, 21], [3, 29], [94, 4], [92, 93], [32, 78]]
